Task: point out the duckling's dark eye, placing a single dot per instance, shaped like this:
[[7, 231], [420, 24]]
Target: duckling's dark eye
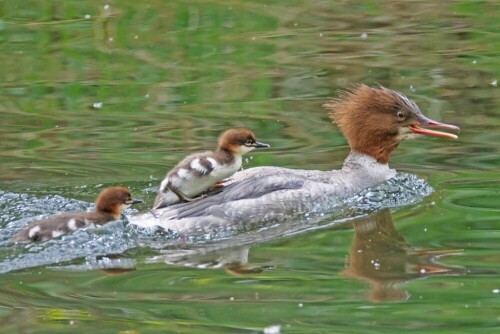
[[400, 115], [249, 142]]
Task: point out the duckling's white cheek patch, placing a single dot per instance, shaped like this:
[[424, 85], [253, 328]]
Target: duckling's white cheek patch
[[245, 149], [72, 225], [33, 231]]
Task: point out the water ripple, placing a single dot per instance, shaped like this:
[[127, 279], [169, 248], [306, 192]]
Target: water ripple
[[92, 245]]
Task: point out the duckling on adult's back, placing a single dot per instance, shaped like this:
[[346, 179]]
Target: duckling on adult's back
[[199, 172], [374, 121]]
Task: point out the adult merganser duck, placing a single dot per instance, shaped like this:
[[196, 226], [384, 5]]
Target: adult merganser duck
[[374, 121], [199, 172], [108, 207]]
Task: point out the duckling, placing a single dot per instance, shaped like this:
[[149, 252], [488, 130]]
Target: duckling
[[199, 172], [108, 207]]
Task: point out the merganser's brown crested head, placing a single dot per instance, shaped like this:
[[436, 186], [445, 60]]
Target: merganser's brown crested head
[[375, 120], [239, 141], [113, 200]]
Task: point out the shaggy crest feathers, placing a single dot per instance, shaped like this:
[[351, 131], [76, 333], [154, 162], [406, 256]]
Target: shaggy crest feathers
[[368, 118]]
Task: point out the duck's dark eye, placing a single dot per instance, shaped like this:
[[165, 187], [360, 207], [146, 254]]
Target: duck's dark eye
[[400, 115], [249, 142]]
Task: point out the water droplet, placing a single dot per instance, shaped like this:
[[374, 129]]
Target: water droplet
[[494, 83], [87, 17], [106, 7], [495, 290], [274, 329], [97, 105], [474, 61], [364, 35]]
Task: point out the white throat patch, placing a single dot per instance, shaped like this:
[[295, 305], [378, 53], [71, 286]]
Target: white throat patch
[[242, 149]]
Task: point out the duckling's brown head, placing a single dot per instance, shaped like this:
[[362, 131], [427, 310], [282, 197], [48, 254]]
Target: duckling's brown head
[[239, 141], [113, 200]]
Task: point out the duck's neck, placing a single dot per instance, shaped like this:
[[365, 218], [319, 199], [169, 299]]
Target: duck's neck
[[364, 171], [225, 156]]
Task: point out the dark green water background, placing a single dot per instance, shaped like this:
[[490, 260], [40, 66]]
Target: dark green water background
[[171, 75]]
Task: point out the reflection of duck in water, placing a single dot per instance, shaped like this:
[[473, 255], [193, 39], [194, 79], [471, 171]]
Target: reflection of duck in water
[[374, 122], [380, 256]]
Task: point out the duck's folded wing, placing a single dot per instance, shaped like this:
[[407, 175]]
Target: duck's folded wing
[[234, 197]]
